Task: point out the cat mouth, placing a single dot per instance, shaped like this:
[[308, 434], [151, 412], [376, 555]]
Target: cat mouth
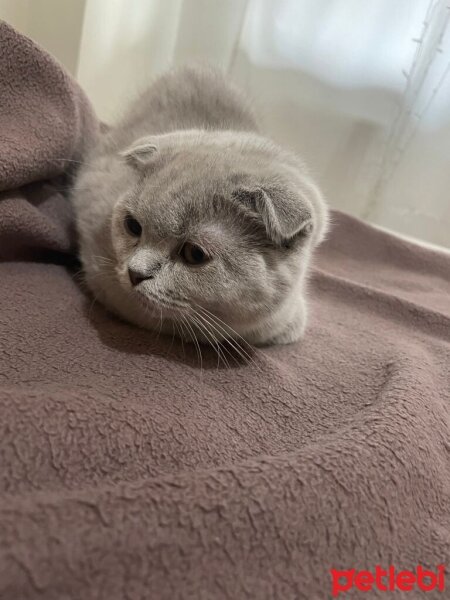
[[169, 305]]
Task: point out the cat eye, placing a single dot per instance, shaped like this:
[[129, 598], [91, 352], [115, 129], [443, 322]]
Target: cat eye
[[193, 254], [133, 227]]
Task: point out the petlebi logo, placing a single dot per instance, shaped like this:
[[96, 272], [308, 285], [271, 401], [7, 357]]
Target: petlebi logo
[[387, 580]]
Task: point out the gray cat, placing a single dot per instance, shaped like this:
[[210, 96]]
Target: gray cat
[[190, 221]]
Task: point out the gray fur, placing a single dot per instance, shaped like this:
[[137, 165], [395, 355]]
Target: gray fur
[[188, 163]]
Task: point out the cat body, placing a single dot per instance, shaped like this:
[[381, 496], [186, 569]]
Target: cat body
[[191, 222]]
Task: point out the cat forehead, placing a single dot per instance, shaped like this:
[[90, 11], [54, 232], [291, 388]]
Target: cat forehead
[[210, 221], [181, 216], [189, 193]]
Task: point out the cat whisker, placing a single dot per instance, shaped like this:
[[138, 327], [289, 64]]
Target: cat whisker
[[160, 322], [69, 188], [171, 343], [228, 341], [197, 325], [103, 258], [216, 342], [99, 276], [78, 162], [195, 340], [221, 327], [225, 326], [79, 273], [181, 331], [189, 327], [94, 300]]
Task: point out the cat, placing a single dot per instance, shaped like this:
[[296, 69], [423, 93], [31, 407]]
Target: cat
[[189, 220]]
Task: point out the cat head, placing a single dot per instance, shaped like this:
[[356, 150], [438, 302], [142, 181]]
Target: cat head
[[214, 225]]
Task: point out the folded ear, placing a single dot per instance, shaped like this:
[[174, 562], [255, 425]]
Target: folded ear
[[140, 152], [284, 212]]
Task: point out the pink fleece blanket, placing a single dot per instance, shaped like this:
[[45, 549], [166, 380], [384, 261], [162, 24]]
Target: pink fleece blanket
[[126, 473]]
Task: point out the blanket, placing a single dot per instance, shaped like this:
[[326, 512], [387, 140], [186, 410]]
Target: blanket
[[129, 472]]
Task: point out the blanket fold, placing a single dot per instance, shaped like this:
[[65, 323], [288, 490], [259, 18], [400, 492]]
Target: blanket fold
[[126, 471], [46, 126]]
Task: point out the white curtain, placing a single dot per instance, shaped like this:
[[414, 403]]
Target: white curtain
[[360, 88]]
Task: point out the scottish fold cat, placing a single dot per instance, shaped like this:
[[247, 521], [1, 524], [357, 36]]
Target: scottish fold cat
[[190, 220]]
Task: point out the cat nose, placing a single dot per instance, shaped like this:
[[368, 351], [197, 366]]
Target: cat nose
[[137, 277]]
